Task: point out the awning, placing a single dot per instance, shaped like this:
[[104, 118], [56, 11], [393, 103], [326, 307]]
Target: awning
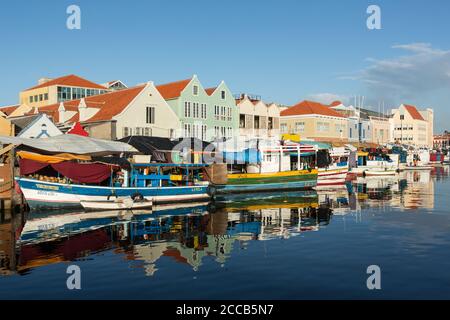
[[57, 158], [362, 154], [68, 143]]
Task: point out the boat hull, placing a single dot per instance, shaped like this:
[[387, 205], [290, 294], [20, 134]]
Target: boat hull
[[49, 195], [279, 181], [331, 178]]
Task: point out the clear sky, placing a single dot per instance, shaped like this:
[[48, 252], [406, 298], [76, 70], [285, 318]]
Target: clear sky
[[285, 51]]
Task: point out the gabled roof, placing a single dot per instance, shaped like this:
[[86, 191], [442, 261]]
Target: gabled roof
[[310, 107], [109, 104], [210, 91], [172, 90], [70, 80], [413, 112], [23, 122], [9, 109]]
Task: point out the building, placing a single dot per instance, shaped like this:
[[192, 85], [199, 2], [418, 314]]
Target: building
[[441, 141], [6, 127], [139, 110], [257, 119], [314, 121], [411, 126], [207, 114], [35, 126], [50, 91], [379, 127]]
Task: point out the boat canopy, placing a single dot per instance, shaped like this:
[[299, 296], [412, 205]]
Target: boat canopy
[[318, 145], [69, 143]]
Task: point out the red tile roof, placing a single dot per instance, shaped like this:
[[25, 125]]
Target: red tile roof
[[70, 80], [9, 109], [413, 112], [210, 91], [310, 107], [172, 90], [109, 105], [335, 103]]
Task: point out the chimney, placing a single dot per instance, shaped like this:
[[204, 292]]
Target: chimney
[[44, 80], [61, 113], [82, 110]]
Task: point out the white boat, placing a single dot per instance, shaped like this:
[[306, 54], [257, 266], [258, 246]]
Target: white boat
[[116, 204], [380, 172], [335, 174], [419, 167]]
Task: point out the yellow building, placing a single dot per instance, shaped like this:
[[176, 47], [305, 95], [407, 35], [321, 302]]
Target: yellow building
[[314, 121], [51, 91], [6, 127]]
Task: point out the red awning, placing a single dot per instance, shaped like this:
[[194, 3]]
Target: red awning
[[78, 130], [77, 172]]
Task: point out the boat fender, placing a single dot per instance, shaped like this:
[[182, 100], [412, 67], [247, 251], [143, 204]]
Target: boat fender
[[111, 195], [137, 196]]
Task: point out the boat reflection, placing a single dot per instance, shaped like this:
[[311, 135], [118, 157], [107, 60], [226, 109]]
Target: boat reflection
[[189, 233]]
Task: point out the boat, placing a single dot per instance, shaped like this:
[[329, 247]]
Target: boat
[[334, 174], [158, 188], [117, 204], [418, 167], [380, 172], [375, 162], [268, 166]]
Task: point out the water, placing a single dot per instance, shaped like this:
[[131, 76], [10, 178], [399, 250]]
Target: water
[[286, 246]]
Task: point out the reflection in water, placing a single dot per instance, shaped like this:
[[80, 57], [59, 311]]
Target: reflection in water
[[189, 234]]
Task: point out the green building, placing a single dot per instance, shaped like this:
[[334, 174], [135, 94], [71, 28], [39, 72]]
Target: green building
[[205, 114]]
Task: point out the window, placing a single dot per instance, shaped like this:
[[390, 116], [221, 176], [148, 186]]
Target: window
[[222, 94], [216, 112], [216, 131], [45, 96], [323, 126], [242, 121], [283, 128], [299, 127], [150, 115], [187, 130], [125, 132], [195, 90], [256, 122], [186, 109], [36, 98], [222, 113], [270, 123], [203, 106], [351, 134], [196, 110], [31, 99], [204, 128], [138, 131], [147, 132]]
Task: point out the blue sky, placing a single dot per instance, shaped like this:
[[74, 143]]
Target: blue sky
[[285, 51]]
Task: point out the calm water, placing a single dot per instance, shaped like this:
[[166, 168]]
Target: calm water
[[286, 246]]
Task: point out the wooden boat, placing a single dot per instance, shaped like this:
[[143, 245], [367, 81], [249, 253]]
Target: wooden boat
[[380, 172], [419, 167], [116, 204], [335, 174]]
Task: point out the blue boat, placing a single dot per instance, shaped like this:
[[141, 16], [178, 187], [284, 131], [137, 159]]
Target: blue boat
[[159, 188]]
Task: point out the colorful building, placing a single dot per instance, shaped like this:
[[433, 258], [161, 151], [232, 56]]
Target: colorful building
[[411, 126], [314, 121], [206, 114], [257, 119], [50, 91]]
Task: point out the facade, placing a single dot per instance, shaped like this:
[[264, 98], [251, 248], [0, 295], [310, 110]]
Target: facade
[[314, 121], [206, 114], [51, 91], [6, 127], [257, 119], [138, 110], [411, 126], [36, 126], [441, 141]]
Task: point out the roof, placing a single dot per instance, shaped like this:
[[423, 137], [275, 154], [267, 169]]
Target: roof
[[210, 91], [109, 104], [22, 122], [335, 103], [310, 107], [9, 109], [70, 80], [413, 112], [172, 90]]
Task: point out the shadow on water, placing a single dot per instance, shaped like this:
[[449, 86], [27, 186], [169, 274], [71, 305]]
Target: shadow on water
[[189, 233]]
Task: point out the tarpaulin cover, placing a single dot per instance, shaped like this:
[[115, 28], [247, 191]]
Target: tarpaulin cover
[[157, 147], [246, 156], [78, 130], [78, 172], [69, 143], [57, 158]]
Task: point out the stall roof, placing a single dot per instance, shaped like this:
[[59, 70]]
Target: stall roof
[[68, 143]]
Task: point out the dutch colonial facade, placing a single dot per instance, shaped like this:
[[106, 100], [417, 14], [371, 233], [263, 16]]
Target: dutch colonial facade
[[412, 127], [257, 119], [139, 110], [314, 121], [206, 114]]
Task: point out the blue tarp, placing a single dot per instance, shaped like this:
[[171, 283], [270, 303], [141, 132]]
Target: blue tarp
[[245, 156]]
